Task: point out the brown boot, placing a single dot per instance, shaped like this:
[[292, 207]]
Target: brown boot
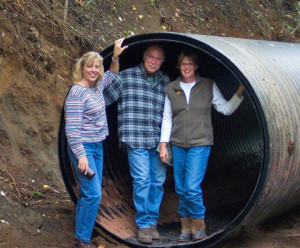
[[186, 230], [198, 229], [144, 235], [154, 233], [80, 244]]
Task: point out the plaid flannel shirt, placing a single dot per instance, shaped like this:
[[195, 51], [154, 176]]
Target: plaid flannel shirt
[[140, 106]]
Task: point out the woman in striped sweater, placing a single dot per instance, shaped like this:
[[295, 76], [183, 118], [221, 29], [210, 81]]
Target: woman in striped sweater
[[86, 128]]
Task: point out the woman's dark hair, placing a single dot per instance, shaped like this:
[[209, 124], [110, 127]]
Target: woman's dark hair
[[187, 53]]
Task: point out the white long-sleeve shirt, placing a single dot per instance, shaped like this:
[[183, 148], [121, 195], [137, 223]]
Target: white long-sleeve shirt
[[219, 102]]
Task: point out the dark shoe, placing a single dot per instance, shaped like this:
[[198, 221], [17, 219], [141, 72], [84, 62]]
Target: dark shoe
[[80, 244], [184, 237], [154, 233], [144, 235], [199, 235]]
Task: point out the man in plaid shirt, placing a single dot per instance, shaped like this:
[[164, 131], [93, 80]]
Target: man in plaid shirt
[[140, 92]]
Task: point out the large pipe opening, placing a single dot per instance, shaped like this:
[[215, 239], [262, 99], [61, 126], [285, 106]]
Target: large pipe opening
[[237, 165]]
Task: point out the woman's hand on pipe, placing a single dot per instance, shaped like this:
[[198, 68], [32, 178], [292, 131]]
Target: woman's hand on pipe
[[118, 49], [240, 91]]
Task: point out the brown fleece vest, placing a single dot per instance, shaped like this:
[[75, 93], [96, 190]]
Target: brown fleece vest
[[191, 122]]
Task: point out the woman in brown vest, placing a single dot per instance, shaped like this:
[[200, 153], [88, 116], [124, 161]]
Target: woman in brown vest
[[187, 126]]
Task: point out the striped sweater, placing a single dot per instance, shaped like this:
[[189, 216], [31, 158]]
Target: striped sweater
[[85, 114]]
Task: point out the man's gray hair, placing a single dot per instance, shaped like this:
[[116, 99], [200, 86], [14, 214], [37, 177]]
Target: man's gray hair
[[154, 46]]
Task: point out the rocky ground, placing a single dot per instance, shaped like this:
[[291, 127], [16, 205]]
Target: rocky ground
[[50, 223]]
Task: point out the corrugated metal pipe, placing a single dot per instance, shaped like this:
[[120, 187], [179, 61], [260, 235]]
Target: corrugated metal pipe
[[254, 168]]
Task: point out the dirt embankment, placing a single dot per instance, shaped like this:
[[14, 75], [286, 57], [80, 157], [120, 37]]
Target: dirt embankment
[[37, 51]]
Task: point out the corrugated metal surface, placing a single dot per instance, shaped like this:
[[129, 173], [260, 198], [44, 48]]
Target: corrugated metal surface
[[271, 69], [254, 168]]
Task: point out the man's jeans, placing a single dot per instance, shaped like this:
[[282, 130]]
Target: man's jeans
[[189, 170], [90, 191], [148, 174]]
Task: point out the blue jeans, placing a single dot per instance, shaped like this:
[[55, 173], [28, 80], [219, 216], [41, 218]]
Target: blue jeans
[[148, 174], [189, 170], [90, 191]]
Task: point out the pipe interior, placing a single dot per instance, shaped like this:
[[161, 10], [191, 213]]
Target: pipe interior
[[232, 173]]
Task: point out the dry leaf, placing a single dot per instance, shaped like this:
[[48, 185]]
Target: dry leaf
[[189, 2], [79, 3]]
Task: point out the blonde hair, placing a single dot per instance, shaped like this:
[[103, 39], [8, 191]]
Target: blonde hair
[[87, 59]]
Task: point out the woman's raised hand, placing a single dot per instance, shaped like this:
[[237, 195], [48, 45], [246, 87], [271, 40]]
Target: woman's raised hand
[[118, 49]]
